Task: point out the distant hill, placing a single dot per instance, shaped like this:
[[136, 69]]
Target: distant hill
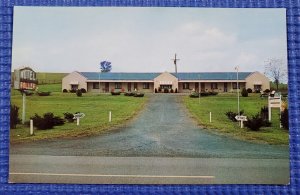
[[50, 78]]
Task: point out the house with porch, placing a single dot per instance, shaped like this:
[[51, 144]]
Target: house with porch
[[182, 82]]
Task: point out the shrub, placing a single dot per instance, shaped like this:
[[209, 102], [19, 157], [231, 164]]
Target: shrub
[[264, 113], [194, 95], [27, 92], [78, 93], [72, 90], [255, 123], [83, 90], [44, 93], [48, 121], [213, 93], [172, 91], [129, 94], [284, 119], [14, 116], [155, 90], [122, 90], [69, 117], [176, 91], [65, 91], [244, 92], [166, 90], [249, 90], [115, 93], [231, 115], [267, 91], [138, 95]]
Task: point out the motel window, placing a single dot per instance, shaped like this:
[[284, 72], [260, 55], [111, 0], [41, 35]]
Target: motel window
[[145, 85], [186, 86], [214, 85], [118, 85], [95, 85]]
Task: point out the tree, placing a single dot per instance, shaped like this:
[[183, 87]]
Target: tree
[[276, 70], [105, 66]]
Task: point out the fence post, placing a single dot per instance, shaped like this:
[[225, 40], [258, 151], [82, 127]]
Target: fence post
[[109, 117], [210, 117], [31, 127]]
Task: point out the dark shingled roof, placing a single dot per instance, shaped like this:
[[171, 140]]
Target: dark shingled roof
[[151, 76]]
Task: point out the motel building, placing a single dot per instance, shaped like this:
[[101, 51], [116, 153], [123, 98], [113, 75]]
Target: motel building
[[147, 82]]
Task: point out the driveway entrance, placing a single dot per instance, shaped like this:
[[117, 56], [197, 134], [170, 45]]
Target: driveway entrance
[[163, 129]]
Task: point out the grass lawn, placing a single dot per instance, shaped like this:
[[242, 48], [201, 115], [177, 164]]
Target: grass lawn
[[96, 108], [222, 103]]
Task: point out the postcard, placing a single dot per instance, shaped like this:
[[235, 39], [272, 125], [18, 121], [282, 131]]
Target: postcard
[[135, 95]]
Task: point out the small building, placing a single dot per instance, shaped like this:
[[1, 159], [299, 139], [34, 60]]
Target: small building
[[24, 78], [148, 82]]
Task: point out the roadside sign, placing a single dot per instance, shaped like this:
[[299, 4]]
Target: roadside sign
[[242, 119], [78, 116]]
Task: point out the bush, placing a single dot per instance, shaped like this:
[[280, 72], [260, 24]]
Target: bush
[[255, 123], [129, 94], [155, 90], [65, 91], [213, 93], [231, 115], [44, 93], [172, 91], [72, 90], [176, 91], [267, 91], [48, 121], [83, 90], [78, 93], [166, 90], [194, 95], [264, 113], [139, 95], [284, 119], [14, 116], [115, 93], [69, 117], [244, 92], [249, 90]]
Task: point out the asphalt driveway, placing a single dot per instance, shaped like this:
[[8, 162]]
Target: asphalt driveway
[[163, 129]]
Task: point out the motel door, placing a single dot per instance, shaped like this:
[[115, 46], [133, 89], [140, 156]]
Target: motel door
[[202, 86], [135, 86], [106, 87], [196, 86], [129, 86], [225, 87]]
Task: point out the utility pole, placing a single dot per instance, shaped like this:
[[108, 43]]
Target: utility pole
[[175, 63], [237, 88]]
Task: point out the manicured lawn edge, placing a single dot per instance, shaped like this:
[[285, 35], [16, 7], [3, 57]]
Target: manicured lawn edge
[[54, 133], [236, 132]]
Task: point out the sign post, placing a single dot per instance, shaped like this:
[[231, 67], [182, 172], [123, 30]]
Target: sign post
[[274, 102], [23, 107], [78, 116], [241, 118]]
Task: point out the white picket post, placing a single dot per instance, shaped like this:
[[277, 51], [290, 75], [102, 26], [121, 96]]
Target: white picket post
[[31, 127], [109, 117], [210, 117]]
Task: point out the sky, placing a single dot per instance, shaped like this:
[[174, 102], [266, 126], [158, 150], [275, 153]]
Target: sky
[[136, 39]]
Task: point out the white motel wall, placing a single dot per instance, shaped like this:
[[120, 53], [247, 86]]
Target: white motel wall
[[148, 82]]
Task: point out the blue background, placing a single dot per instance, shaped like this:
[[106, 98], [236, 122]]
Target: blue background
[[293, 28]]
